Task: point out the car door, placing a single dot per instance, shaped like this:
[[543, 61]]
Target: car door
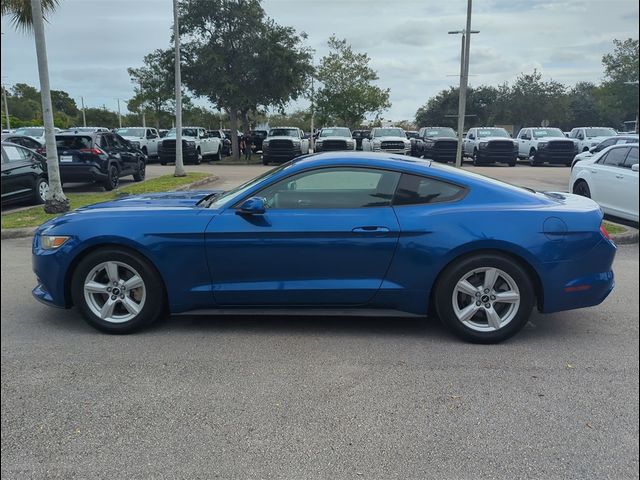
[[17, 173], [606, 175], [128, 155], [152, 141], [524, 143], [469, 142], [327, 237], [627, 199]]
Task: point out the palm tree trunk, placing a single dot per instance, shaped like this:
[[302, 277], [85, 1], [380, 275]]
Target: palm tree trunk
[[233, 125], [179, 171], [56, 202]]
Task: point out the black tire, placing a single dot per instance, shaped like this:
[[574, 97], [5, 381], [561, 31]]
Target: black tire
[[217, 156], [198, 159], [265, 161], [582, 188], [113, 178], [448, 280], [139, 175], [40, 188], [476, 159], [144, 150], [154, 303], [512, 164], [163, 163]]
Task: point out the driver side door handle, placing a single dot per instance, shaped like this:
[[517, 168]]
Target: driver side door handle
[[370, 229]]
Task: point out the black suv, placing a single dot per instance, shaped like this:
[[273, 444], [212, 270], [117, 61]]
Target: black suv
[[359, 135], [258, 137], [24, 175], [102, 157]]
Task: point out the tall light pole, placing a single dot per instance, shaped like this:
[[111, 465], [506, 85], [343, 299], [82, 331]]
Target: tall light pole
[[6, 107], [312, 142], [179, 170], [84, 117], [464, 79], [119, 115]]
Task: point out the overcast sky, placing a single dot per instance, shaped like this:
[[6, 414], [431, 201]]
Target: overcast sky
[[92, 42]]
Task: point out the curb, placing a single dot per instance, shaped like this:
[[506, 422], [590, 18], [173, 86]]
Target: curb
[[628, 237], [9, 233], [197, 183]]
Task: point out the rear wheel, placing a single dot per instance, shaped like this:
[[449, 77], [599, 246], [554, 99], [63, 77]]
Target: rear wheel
[[217, 156], [484, 298], [582, 188], [117, 291], [113, 178], [41, 190], [476, 158]]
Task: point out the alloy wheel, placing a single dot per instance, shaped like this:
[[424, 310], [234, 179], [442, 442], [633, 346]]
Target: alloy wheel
[[486, 299], [43, 190], [114, 292]]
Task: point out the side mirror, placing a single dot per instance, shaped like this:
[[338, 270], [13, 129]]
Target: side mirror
[[593, 149], [634, 167], [252, 206], [580, 137], [472, 137]]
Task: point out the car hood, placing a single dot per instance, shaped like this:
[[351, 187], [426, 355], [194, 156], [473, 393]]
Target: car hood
[[435, 139], [391, 139], [597, 139], [187, 199], [184, 137], [346, 139], [133, 139], [491, 139], [281, 138]]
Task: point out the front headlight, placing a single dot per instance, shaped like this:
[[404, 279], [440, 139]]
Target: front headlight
[[515, 144], [135, 144], [542, 144], [51, 242], [189, 143], [265, 143], [484, 144]]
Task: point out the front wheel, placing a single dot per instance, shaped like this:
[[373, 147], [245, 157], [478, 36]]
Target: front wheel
[[476, 158], [484, 298], [117, 291], [141, 172]]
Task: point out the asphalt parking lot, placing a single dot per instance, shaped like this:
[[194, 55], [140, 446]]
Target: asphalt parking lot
[[307, 398]]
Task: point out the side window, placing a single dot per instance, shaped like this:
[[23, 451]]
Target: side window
[[632, 158], [605, 144], [417, 190], [471, 134], [615, 157], [105, 142], [333, 188], [119, 142], [14, 154]]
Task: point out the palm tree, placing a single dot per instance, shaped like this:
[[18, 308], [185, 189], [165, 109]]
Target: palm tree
[[27, 15]]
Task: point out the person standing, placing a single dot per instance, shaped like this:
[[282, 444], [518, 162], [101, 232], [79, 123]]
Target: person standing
[[248, 146]]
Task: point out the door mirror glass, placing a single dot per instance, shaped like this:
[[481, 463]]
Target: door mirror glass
[[252, 206], [593, 149], [472, 136], [634, 167], [580, 136]]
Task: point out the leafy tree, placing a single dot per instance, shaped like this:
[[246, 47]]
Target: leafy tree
[[618, 101], [583, 105], [348, 94], [239, 59], [154, 86], [533, 100], [63, 103], [299, 118], [29, 15]]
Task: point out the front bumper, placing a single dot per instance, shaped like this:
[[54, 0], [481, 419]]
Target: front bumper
[[486, 155], [554, 156], [50, 268], [189, 155], [280, 154], [440, 155]]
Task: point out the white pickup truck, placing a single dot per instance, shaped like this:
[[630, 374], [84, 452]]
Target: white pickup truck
[[541, 144], [387, 139], [144, 139], [587, 137], [283, 144], [490, 145], [197, 144]]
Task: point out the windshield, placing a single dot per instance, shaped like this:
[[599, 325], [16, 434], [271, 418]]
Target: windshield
[[600, 132], [237, 192], [412, 134], [283, 132], [259, 133], [361, 134], [439, 132], [30, 132], [215, 133], [388, 132], [335, 132], [130, 132], [186, 132], [547, 132], [493, 132]]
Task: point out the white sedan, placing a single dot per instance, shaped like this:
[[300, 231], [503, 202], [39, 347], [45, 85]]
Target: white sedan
[[610, 177]]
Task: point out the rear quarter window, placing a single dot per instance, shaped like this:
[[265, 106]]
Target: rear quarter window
[[418, 190]]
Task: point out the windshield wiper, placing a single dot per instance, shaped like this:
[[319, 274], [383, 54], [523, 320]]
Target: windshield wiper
[[208, 200]]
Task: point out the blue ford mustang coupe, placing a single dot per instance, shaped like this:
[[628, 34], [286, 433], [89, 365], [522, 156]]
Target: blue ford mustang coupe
[[333, 233]]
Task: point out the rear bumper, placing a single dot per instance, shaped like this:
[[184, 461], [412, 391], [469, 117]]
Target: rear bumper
[[81, 172], [581, 283]]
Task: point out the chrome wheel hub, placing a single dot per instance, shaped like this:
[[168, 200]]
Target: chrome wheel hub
[[486, 299], [114, 292]]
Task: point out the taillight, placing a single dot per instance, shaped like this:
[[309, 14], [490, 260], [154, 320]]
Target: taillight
[[604, 232], [95, 151], [41, 151]]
